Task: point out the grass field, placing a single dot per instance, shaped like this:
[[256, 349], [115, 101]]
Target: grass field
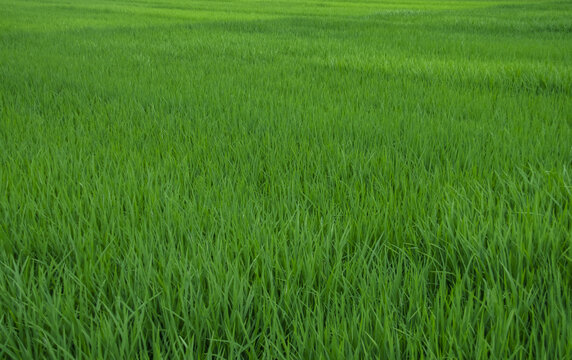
[[285, 179]]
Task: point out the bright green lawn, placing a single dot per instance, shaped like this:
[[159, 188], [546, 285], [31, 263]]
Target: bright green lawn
[[285, 179]]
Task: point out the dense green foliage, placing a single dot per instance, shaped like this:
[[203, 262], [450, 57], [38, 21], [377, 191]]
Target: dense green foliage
[[285, 179]]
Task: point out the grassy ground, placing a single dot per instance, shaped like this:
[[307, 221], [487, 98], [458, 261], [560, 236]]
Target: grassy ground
[[285, 179]]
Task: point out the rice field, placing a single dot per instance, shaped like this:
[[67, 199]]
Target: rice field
[[301, 179]]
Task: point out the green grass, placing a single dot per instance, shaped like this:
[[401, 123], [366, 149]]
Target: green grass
[[285, 179]]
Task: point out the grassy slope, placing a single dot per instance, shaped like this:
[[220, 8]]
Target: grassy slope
[[285, 179]]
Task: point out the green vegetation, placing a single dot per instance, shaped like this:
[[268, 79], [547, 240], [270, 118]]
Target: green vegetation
[[285, 179]]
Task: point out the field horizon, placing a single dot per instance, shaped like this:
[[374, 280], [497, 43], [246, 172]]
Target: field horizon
[[299, 179]]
